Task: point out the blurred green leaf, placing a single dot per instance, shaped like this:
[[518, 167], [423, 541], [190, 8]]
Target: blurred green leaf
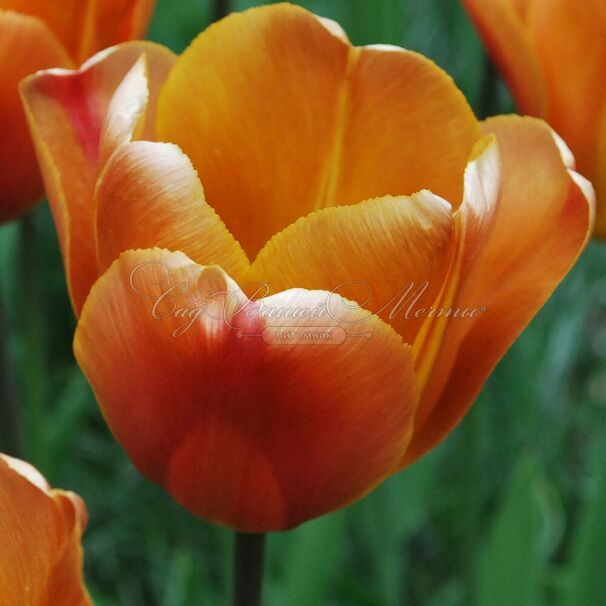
[[68, 414], [384, 523], [176, 24], [508, 571], [588, 571], [177, 578], [310, 557]]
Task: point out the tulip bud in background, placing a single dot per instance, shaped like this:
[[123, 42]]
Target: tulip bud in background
[[39, 34], [552, 54], [40, 533], [290, 157]]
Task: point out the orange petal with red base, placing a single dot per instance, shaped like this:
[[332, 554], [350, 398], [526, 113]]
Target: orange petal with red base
[[77, 118], [242, 425]]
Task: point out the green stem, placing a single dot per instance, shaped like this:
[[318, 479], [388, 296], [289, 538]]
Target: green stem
[[11, 434], [220, 9], [249, 566]]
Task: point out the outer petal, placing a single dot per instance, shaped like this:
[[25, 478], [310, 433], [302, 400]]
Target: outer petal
[[543, 222], [27, 46], [571, 42], [474, 221], [40, 553], [379, 252], [65, 20], [114, 21], [149, 196], [87, 26], [600, 180], [76, 119], [522, 7], [281, 116], [240, 426], [502, 25]]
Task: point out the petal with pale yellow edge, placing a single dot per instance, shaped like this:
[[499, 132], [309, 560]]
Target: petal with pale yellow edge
[[125, 113], [379, 252], [27, 46], [85, 27], [243, 424], [281, 116], [473, 222], [150, 195], [543, 220], [505, 32], [40, 552], [75, 115]]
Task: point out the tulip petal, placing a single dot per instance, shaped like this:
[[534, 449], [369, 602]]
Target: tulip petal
[[281, 116], [40, 553], [112, 22], [473, 222], [571, 42], [27, 46], [543, 221], [125, 113], [66, 20], [76, 115], [379, 252], [502, 27], [240, 427], [149, 195], [87, 26]]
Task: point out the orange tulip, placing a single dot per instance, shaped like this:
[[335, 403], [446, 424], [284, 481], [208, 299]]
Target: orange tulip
[[40, 552], [35, 35], [309, 151], [552, 53]]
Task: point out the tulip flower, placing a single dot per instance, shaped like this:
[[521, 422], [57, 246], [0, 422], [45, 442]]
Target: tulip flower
[[272, 152], [35, 35], [552, 53], [40, 552]]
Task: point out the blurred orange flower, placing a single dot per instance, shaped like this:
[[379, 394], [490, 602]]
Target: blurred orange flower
[[38, 34], [310, 152], [552, 54], [40, 552]]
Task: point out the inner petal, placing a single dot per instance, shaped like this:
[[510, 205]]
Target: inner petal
[[281, 117]]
